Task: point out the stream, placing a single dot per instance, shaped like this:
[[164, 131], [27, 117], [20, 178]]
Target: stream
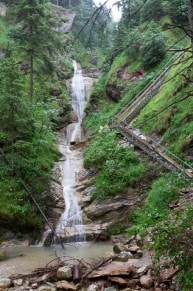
[[26, 259]]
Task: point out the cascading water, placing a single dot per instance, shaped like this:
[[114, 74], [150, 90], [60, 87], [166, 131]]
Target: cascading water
[[71, 223]]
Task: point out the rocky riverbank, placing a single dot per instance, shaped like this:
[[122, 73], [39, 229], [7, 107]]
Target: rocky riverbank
[[128, 268]]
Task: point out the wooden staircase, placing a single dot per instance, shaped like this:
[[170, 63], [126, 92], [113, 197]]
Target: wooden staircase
[[122, 123]]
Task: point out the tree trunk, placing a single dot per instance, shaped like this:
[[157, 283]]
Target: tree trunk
[[190, 18]]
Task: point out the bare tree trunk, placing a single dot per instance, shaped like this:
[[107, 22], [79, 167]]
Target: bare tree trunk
[[190, 18]]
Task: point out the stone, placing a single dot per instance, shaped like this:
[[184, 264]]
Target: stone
[[118, 280], [65, 285], [5, 283], [110, 289], [112, 269], [64, 273], [46, 288], [134, 248], [146, 281], [142, 270], [118, 248], [17, 282], [92, 288], [138, 237], [139, 253], [132, 283], [121, 258]]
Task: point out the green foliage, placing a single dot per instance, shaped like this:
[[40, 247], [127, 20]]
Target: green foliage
[[16, 210], [148, 45], [163, 192], [15, 116], [98, 93], [117, 167], [177, 10], [152, 10], [28, 140], [119, 62], [173, 238], [116, 228], [174, 128]]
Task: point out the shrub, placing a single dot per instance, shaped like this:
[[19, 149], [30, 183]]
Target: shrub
[[117, 167]]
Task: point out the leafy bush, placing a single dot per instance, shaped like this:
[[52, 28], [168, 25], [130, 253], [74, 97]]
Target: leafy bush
[[148, 46], [153, 48], [174, 238], [163, 192], [117, 167]]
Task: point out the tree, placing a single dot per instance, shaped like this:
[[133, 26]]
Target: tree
[[15, 118], [35, 34], [190, 18]]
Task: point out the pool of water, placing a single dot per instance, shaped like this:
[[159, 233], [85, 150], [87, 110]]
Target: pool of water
[[26, 259]]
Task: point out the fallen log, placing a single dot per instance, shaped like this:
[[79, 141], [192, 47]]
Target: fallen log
[[76, 273]]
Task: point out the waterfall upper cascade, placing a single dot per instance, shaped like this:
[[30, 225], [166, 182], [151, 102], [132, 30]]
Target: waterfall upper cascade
[[71, 223]]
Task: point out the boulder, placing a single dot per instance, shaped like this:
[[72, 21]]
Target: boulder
[[118, 248], [5, 283], [134, 249], [17, 282], [46, 288], [64, 273], [92, 288], [64, 285], [121, 258], [111, 289], [146, 281]]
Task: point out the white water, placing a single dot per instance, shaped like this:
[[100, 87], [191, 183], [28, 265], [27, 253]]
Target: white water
[[71, 223]]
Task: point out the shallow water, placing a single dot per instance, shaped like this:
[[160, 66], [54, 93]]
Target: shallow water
[[37, 257]]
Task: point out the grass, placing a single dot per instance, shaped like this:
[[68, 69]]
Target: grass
[[116, 167], [164, 190], [177, 122]]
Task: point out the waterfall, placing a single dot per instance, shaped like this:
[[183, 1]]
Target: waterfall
[[71, 222]]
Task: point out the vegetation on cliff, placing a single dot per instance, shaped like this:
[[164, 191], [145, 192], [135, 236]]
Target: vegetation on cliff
[[149, 34]]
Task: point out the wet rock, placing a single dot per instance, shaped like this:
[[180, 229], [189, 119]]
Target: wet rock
[[118, 248], [64, 273], [121, 258], [132, 283], [17, 282], [64, 285], [134, 249], [121, 239], [46, 288], [141, 271], [73, 117], [92, 288], [146, 281], [5, 283], [111, 289], [118, 280]]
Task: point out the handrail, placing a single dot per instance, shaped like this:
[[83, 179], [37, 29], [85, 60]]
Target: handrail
[[162, 151]]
